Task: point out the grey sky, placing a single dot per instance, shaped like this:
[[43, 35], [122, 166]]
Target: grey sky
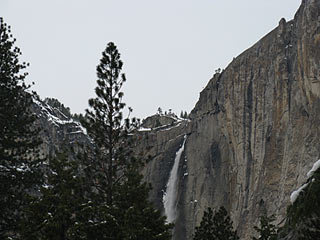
[[170, 48]]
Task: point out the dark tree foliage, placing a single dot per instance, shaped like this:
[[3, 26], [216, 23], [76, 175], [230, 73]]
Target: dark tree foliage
[[79, 117], [310, 230], [184, 115], [303, 216], [138, 218], [120, 209], [266, 230], [104, 124], [215, 226], [19, 158], [56, 214]]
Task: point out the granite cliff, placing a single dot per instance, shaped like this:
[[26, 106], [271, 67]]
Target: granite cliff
[[253, 134]]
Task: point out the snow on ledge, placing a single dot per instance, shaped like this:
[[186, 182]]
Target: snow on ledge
[[142, 129], [315, 167], [48, 111], [295, 194]]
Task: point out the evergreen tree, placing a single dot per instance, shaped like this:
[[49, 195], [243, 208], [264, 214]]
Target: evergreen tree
[[138, 218], [185, 115], [79, 117], [19, 157], [267, 230], [56, 213], [215, 226], [181, 114], [117, 193], [310, 230], [105, 126], [303, 215]]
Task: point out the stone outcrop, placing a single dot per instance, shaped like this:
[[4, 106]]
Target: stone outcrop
[[253, 134], [159, 120], [58, 129]]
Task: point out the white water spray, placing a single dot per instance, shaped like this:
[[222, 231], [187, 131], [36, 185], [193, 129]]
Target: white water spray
[[170, 196]]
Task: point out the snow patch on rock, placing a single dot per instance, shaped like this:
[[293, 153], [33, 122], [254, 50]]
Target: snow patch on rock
[[315, 167]]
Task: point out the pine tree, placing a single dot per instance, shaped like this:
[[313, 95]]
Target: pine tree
[[105, 126], [138, 218], [57, 213], [111, 166], [185, 115], [19, 157], [266, 230], [215, 226]]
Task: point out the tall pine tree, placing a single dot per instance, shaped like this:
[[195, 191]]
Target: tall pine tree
[[19, 159], [104, 124], [117, 192], [215, 226]]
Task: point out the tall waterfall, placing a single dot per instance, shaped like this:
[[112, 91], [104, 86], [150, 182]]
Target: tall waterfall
[[170, 196]]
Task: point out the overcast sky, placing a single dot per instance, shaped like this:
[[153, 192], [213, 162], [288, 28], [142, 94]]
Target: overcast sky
[[170, 48]]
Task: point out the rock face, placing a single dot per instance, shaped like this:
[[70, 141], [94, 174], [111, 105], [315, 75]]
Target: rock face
[[160, 145], [253, 134], [58, 129]]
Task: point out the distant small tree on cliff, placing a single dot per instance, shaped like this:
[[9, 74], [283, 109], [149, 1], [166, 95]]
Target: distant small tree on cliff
[[184, 114], [215, 226]]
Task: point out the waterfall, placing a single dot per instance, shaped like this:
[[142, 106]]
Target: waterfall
[[170, 196]]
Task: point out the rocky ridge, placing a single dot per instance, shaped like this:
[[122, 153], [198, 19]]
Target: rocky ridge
[[59, 129]]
